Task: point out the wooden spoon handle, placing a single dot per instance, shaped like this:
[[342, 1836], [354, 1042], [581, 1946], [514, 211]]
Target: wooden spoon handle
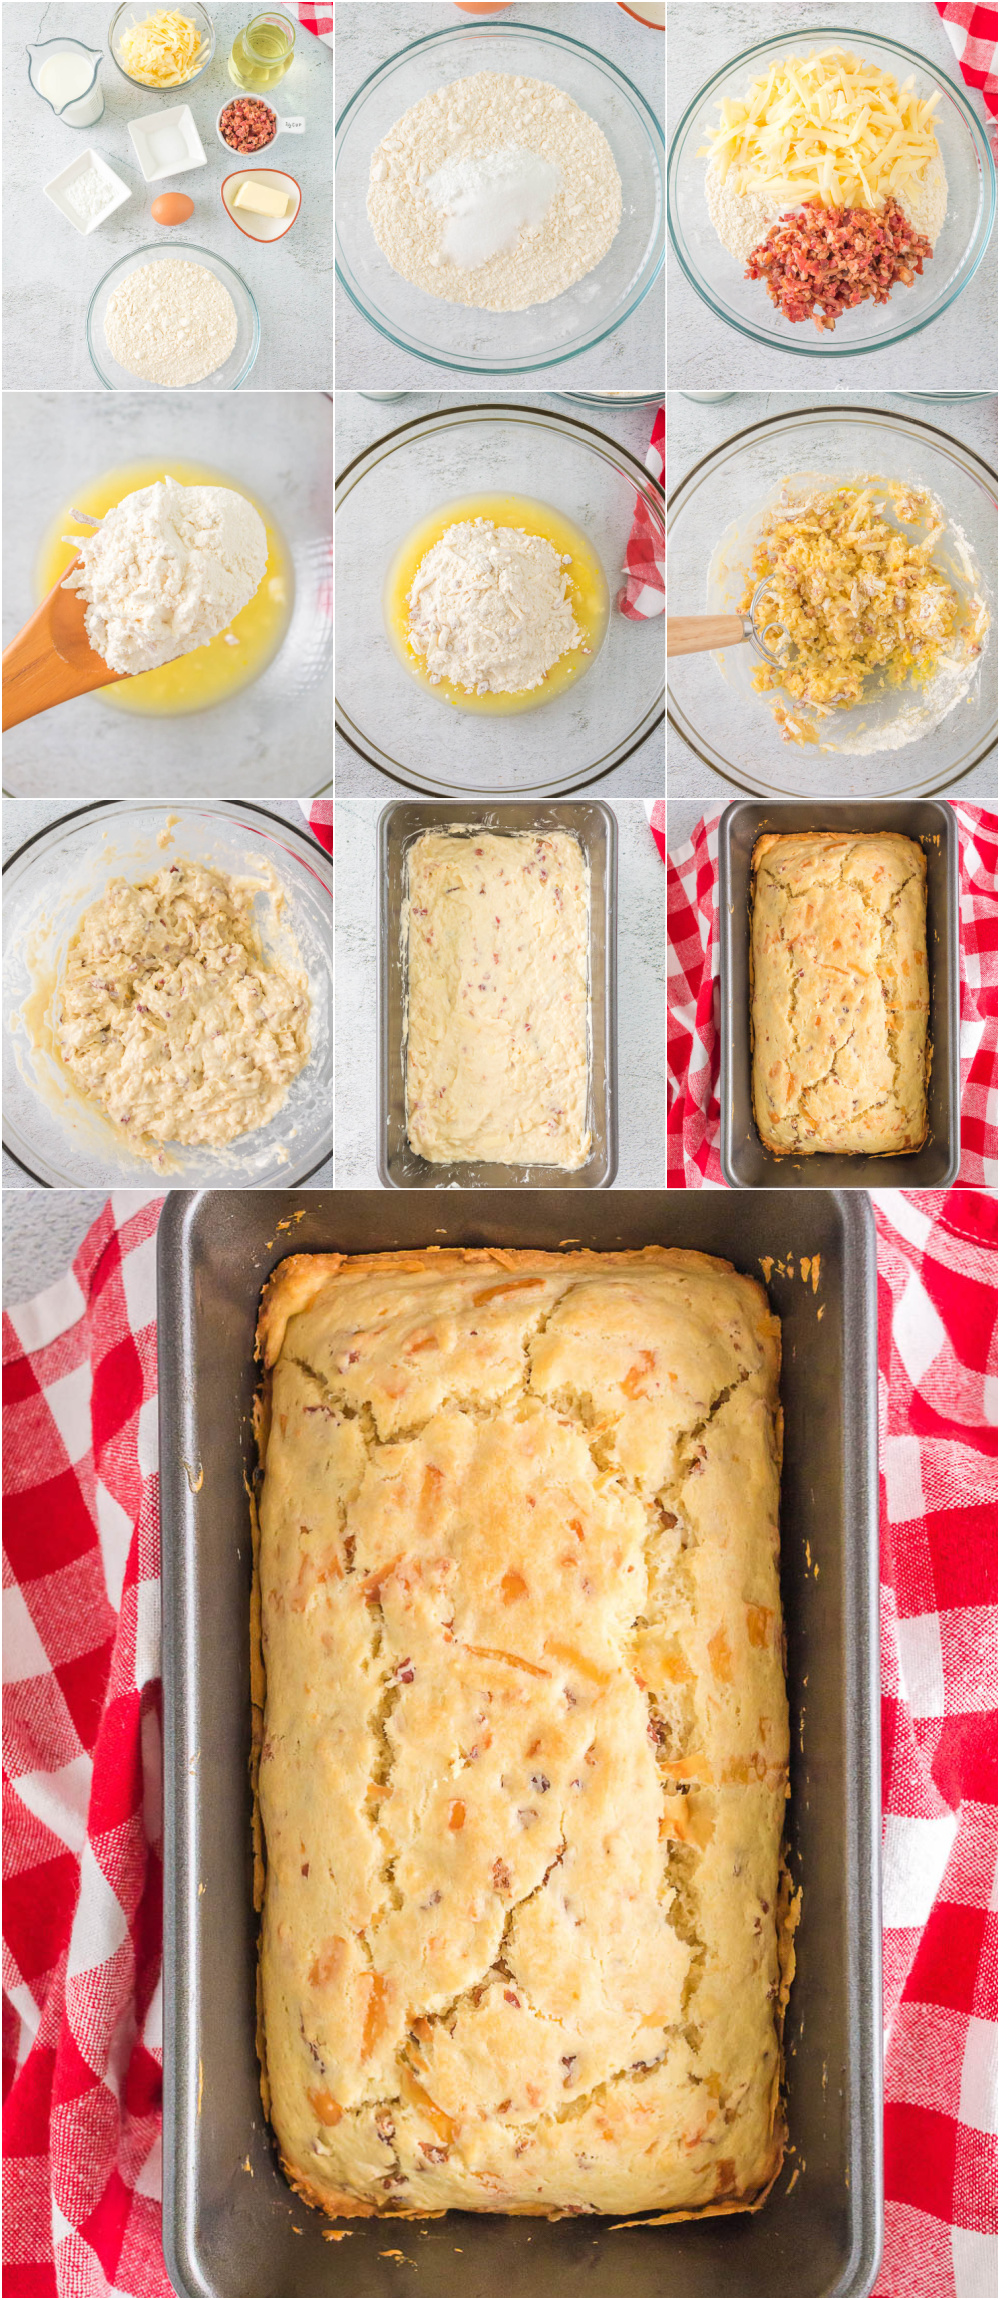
[[698, 634], [37, 672]]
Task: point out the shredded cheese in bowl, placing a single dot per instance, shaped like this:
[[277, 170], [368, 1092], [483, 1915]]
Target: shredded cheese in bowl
[[826, 127], [162, 51]]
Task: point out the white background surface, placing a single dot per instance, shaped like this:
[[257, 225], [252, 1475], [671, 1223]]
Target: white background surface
[[359, 422], [641, 1013], [51, 270], [694, 430], [22, 818], [280, 446], [367, 37], [703, 354]]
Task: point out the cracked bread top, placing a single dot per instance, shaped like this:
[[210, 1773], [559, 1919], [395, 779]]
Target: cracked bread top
[[839, 998], [523, 1756], [497, 935]]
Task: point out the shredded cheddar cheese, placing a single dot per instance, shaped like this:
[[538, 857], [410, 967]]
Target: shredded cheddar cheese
[[825, 127], [162, 51]]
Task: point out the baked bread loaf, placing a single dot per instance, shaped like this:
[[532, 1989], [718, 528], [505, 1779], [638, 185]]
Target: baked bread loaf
[[839, 996], [498, 1003], [523, 1755]]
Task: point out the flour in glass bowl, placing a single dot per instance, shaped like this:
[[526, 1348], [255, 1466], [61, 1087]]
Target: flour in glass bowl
[[497, 192], [171, 323]]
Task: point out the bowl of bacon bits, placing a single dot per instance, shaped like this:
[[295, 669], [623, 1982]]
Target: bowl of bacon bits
[[247, 125], [828, 199]]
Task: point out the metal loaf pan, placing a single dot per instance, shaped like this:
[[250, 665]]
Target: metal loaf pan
[[231, 2225], [594, 825], [745, 1162]]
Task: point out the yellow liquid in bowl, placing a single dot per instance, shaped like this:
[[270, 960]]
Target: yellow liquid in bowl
[[211, 674], [586, 590]]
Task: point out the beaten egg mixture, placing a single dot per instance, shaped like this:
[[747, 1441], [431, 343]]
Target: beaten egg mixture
[[855, 597]]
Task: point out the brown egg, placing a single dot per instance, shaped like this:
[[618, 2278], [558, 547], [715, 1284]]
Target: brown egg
[[172, 208]]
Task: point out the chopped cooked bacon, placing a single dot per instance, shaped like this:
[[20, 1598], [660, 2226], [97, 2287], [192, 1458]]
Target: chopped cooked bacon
[[833, 258]]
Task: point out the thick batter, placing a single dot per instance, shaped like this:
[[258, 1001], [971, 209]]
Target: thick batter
[[497, 1055], [170, 1017]]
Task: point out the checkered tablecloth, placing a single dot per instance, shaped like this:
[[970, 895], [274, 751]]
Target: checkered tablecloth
[[82, 1765], [645, 580], [972, 31], [319, 816], [693, 1046]]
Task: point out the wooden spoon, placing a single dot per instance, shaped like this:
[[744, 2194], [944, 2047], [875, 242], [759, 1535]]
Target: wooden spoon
[[701, 634], [52, 659]]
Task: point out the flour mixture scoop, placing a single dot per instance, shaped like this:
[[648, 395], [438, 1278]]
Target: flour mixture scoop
[[702, 634], [52, 659]]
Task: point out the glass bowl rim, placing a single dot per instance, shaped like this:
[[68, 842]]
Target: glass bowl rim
[[548, 419], [144, 84], [231, 810], [504, 28], [942, 779], [818, 350], [158, 249]]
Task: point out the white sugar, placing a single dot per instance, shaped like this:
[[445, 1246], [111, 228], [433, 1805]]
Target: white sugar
[[489, 199]]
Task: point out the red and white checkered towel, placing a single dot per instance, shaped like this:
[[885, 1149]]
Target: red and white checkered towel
[[645, 580], [82, 1911], [316, 19], [973, 35], [656, 816], [693, 1047], [319, 816], [937, 1367]]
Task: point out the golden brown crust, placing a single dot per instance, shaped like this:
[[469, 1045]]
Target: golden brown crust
[[495, 1484], [839, 996]]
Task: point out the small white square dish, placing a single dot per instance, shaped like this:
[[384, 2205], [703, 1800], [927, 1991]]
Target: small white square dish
[[86, 164], [167, 142], [258, 227]]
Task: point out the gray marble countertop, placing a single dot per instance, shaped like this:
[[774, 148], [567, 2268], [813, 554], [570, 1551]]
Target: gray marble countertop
[[20, 820], [50, 271], [359, 422], [43, 1230], [704, 354], [367, 37], [279, 445], [641, 1026], [694, 429]]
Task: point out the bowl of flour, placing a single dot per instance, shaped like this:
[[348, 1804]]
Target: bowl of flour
[[499, 197], [172, 318], [716, 269]]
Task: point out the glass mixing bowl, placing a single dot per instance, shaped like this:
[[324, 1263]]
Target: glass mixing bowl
[[123, 20], [711, 702], [234, 370], [513, 342], [48, 885], [397, 482], [274, 735], [744, 304]]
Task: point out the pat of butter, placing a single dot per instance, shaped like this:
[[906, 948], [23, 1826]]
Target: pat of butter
[[262, 200]]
